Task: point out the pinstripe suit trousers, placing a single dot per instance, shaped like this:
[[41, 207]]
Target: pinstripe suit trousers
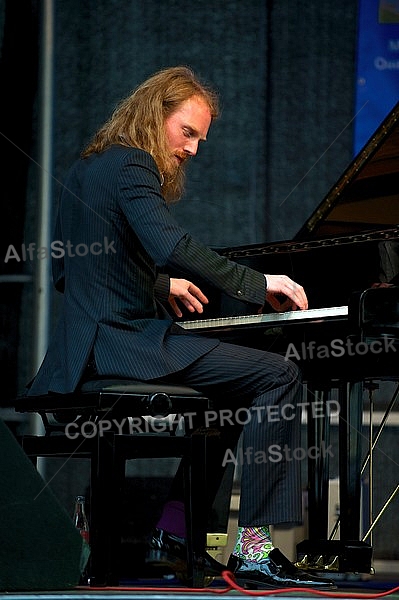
[[256, 392]]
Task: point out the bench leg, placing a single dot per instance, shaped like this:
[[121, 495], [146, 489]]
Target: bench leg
[[105, 528], [196, 506]]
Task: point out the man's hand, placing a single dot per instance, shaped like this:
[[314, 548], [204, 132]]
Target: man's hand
[[293, 294], [189, 294]]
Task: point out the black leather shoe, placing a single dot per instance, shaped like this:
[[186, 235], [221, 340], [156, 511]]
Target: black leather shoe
[[275, 571], [167, 550]]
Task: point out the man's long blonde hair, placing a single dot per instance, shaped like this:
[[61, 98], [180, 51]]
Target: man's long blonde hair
[[139, 119]]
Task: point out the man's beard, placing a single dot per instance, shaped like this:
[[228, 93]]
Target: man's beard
[[183, 158], [178, 171], [173, 183]]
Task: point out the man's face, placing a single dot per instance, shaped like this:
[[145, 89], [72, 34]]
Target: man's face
[[186, 127]]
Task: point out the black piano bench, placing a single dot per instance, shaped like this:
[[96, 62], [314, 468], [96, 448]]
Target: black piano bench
[[100, 401]]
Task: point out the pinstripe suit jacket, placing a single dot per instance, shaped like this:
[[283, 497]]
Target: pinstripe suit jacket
[[115, 231]]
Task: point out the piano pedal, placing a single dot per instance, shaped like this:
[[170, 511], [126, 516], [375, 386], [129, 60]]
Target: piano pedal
[[319, 563], [303, 563], [333, 565], [335, 557]]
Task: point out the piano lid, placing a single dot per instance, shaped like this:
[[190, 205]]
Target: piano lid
[[366, 197]]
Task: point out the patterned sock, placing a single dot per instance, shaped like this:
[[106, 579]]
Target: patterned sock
[[253, 543]]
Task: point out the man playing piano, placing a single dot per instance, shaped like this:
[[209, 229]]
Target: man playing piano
[[115, 202]]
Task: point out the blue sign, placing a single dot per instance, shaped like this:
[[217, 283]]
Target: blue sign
[[377, 72]]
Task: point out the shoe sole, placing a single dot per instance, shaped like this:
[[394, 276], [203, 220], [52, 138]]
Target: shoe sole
[[249, 584]]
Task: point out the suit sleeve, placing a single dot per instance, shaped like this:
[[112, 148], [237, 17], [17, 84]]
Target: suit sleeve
[[237, 281], [162, 287], [168, 244]]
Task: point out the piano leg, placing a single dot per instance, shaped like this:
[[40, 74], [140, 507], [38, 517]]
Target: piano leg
[[348, 554], [350, 438], [318, 464]]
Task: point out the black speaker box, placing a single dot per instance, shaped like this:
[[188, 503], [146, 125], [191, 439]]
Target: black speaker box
[[40, 549]]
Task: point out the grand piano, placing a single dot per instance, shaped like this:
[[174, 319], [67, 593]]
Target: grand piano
[[346, 256]]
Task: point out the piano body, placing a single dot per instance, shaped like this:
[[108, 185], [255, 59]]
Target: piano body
[[349, 244]]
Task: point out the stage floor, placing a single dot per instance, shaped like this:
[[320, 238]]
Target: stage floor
[[348, 588]]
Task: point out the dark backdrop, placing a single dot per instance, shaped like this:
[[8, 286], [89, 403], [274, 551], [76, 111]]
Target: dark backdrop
[[285, 73]]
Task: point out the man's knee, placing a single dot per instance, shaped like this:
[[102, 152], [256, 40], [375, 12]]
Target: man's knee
[[295, 371], [290, 373]]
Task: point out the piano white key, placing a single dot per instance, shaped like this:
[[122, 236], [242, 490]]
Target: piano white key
[[311, 315]]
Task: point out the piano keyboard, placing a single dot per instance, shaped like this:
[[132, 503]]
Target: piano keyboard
[[270, 319]]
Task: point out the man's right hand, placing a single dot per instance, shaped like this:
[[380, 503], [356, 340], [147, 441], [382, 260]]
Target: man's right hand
[[294, 296]]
